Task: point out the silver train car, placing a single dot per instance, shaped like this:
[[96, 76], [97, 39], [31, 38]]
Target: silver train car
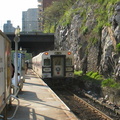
[[55, 65]]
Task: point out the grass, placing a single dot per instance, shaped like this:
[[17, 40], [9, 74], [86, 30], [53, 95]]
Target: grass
[[110, 83], [78, 73], [97, 78]]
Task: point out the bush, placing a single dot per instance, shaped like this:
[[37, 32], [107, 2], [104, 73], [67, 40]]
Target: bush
[[78, 73], [89, 73], [118, 47], [110, 83], [94, 75]]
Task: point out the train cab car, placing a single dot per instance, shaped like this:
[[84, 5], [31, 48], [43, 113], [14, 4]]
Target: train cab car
[[54, 65]]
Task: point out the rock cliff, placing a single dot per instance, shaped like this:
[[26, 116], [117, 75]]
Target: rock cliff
[[93, 51]]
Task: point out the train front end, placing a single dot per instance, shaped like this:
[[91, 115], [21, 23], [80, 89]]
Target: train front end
[[58, 65]]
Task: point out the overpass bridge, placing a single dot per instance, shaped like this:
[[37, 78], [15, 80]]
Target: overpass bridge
[[33, 42]]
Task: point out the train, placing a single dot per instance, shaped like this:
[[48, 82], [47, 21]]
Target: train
[[54, 66]]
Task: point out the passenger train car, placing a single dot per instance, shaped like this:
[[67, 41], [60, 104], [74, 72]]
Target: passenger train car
[[54, 65]]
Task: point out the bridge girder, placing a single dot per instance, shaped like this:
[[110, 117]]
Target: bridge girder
[[33, 42]]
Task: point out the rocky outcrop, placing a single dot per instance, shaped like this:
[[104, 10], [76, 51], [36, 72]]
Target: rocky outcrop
[[91, 55]]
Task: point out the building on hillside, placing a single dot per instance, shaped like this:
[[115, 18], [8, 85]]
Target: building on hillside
[[42, 4], [8, 27], [30, 20]]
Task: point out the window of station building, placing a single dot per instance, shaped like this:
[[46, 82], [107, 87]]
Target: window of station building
[[68, 61], [46, 62]]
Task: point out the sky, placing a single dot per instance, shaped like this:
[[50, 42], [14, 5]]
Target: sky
[[12, 10]]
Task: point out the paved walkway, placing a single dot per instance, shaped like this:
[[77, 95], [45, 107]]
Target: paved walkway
[[39, 102]]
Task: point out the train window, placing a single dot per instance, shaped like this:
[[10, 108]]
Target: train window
[[57, 61], [68, 61], [46, 62]]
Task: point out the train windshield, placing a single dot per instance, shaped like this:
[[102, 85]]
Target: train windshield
[[58, 61], [46, 62], [68, 61]]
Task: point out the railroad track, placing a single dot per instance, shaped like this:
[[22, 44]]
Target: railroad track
[[82, 109], [94, 114]]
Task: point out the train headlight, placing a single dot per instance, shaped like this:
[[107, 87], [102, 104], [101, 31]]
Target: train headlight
[[46, 53], [69, 53]]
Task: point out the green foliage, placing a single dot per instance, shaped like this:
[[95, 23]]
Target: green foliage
[[52, 29], [102, 20], [89, 73], [118, 47], [77, 10], [90, 76], [66, 18], [93, 40], [53, 14], [49, 29], [98, 28], [85, 30], [110, 83], [94, 75], [60, 12], [97, 78], [103, 13], [103, 1], [97, 1], [78, 73]]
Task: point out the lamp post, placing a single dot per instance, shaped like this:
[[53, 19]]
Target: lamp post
[[16, 40]]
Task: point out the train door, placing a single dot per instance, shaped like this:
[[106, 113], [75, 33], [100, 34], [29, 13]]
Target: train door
[[58, 66]]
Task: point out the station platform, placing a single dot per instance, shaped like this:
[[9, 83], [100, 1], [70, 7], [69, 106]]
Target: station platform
[[39, 102]]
